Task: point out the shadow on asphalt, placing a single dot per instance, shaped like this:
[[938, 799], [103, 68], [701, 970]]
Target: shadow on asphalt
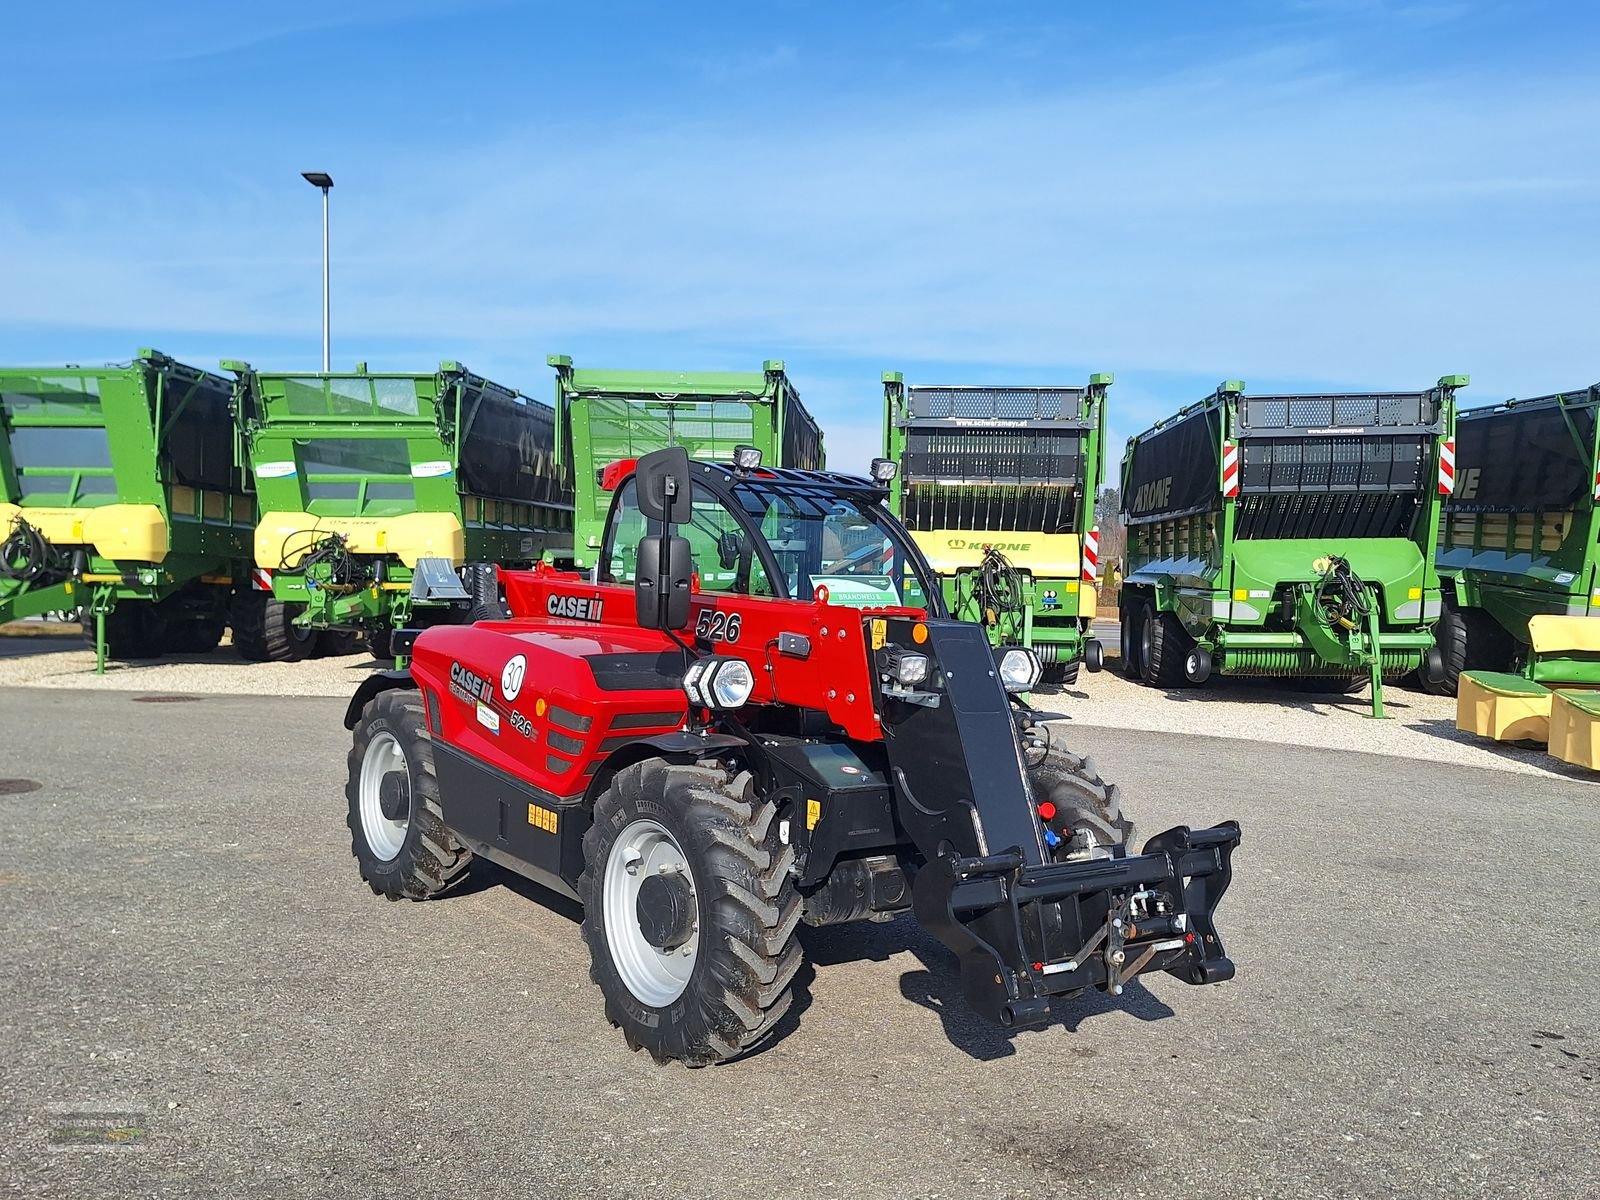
[[936, 986], [1533, 754]]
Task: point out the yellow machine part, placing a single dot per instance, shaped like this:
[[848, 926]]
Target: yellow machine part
[[1551, 634], [130, 532], [1507, 708], [283, 538], [1573, 720], [1047, 555]]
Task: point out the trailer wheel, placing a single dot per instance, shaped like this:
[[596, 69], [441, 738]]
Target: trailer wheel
[[482, 583], [285, 641], [247, 618], [689, 911], [335, 643], [397, 831], [197, 635], [1163, 644], [1087, 813], [1130, 611], [1060, 674], [134, 630], [378, 644]]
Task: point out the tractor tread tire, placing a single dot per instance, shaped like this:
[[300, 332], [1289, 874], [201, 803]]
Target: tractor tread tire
[[1169, 644], [134, 630], [430, 859], [749, 954], [1072, 783]]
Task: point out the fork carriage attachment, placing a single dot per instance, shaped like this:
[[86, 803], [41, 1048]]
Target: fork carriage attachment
[[1025, 933]]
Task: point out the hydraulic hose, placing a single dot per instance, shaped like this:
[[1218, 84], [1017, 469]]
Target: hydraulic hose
[[26, 555], [998, 588], [1343, 598]]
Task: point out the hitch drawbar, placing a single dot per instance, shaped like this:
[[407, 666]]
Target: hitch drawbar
[[1025, 934]]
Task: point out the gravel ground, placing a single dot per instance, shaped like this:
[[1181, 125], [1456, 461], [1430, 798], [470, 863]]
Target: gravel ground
[[1422, 726], [183, 938]]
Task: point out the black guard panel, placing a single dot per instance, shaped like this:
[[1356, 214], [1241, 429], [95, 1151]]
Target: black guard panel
[[512, 823]]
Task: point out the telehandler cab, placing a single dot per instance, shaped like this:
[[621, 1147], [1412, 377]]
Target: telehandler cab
[[755, 713]]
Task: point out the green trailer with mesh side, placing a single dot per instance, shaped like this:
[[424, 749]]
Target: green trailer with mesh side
[[997, 485], [387, 501], [605, 416], [1288, 536], [124, 499], [1520, 530]]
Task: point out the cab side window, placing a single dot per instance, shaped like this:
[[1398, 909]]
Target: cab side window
[[622, 546], [723, 558]]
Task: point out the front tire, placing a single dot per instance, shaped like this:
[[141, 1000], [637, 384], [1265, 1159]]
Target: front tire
[[401, 844], [1088, 816], [728, 911]]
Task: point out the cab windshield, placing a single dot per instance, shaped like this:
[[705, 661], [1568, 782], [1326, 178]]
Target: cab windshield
[[838, 542]]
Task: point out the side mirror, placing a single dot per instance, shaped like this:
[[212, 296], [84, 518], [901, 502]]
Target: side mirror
[[661, 581], [665, 565], [661, 482]]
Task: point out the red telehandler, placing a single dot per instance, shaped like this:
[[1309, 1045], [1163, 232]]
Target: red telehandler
[[754, 713]]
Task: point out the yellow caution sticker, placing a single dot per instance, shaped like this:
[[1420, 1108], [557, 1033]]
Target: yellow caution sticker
[[1241, 593], [880, 633], [813, 813], [1414, 594], [542, 818]]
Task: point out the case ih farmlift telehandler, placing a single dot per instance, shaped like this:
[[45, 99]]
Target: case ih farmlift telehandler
[[706, 769]]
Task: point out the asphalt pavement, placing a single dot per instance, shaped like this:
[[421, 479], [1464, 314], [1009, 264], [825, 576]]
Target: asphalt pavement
[[188, 958]]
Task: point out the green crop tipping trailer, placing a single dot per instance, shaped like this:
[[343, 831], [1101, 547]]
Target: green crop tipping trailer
[[1288, 536], [605, 416], [387, 500], [997, 485], [1520, 529], [123, 497]]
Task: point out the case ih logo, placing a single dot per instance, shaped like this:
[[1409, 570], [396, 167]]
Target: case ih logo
[[576, 608], [469, 685], [1152, 495]]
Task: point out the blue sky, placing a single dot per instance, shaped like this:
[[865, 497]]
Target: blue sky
[[1311, 193]]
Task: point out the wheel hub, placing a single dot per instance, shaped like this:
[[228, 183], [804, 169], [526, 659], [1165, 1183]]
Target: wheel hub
[[665, 910], [394, 796]]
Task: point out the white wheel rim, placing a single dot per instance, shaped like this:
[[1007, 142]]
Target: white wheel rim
[[383, 758], [655, 977]]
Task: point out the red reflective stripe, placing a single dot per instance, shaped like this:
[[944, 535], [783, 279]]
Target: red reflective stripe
[[1447, 466], [261, 579], [1091, 554], [1230, 469]]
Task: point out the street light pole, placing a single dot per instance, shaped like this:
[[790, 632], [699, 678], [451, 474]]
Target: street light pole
[[323, 182]]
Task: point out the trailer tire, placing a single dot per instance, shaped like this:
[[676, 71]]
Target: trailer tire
[[197, 635], [248, 621], [1060, 674], [378, 644], [722, 839], [482, 582], [285, 641], [416, 856], [1450, 635], [134, 630], [1163, 645], [1083, 801], [335, 643], [1130, 610]]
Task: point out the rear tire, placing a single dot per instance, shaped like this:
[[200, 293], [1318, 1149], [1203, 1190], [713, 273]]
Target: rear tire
[[1469, 639], [285, 641], [404, 850], [1164, 644], [742, 899], [1085, 804]]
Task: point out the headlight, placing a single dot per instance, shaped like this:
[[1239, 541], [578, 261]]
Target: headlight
[[884, 469], [1019, 669], [746, 458], [718, 682], [904, 667]]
